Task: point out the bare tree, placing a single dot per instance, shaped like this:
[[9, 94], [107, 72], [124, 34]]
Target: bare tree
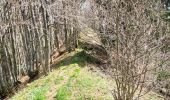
[[133, 46], [30, 32], [132, 33]]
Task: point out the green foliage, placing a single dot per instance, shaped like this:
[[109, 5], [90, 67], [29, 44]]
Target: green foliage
[[38, 93], [59, 79], [163, 75], [63, 93], [82, 85], [85, 82]]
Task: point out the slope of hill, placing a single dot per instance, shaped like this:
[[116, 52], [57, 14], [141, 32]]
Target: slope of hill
[[75, 77], [73, 80]]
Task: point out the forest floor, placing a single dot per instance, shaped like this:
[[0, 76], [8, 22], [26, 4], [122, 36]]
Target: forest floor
[[74, 77]]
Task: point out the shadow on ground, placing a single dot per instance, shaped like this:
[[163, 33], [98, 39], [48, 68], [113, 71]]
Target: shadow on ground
[[80, 58]]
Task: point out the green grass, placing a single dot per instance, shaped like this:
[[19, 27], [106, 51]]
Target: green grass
[[71, 80], [63, 93], [59, 79], [82, 85], [38, 93]]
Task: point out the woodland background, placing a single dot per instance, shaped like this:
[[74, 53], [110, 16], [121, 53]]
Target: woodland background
[[135, 37]]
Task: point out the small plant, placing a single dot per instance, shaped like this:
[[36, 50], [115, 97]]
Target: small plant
[[63, 93], [39, 93], [85, 82], [163, 75], [59, 79]]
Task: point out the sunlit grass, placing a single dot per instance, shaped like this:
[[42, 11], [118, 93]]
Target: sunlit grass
[[83, 84], [80, 84], [73, 81]]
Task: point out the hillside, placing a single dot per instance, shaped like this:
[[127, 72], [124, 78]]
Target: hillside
[[75, 77], [84, 49]]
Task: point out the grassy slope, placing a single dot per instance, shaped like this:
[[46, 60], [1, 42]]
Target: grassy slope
[[68, 82], [71, 81]]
